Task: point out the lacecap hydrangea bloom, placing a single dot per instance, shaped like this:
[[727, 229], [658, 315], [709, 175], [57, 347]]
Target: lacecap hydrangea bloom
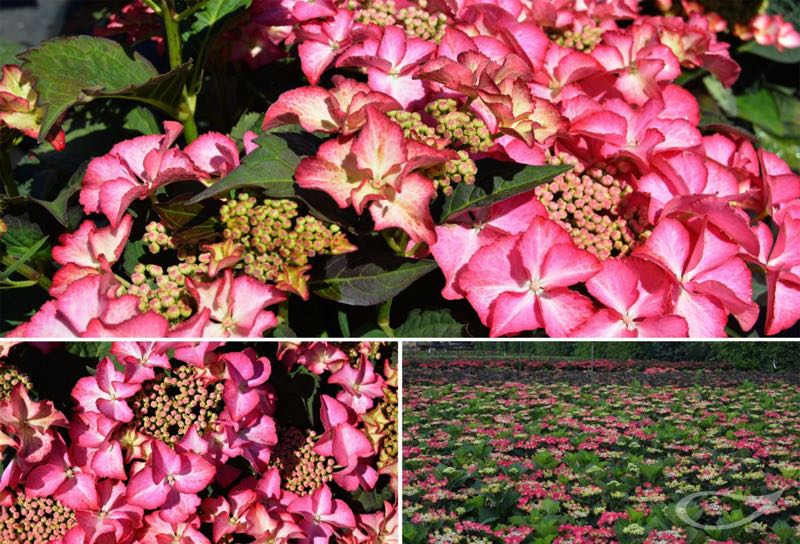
[[197, 443]]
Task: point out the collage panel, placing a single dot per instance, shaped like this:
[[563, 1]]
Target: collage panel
[[399, 168], [474, 184], [199, 442], [600, 443]]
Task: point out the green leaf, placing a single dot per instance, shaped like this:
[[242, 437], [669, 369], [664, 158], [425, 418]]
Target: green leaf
[[24, 258], [189, 224], [505, 179], [344, 323], [8, 51], [214, 12], [761, 109], [270, 168], [142, 120], [788, 9], [58, 207], [361, 280], [23, 235], [789, 108], [305, 385], [248, 121], [724, 96], [372, 501], [134, 251], [7, 284], [430, 324], [89, 350], [283, 331], [787, 56], [787, 148], [78, 69]]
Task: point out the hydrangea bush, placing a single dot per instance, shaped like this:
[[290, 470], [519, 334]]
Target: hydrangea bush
[[592, 168], [197, 443]]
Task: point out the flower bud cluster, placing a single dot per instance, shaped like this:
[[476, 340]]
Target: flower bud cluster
[[302, 469], [590, 205], [164, 292], [9, 378], [585, 39], [460, 170], [155, 238], [461, 128], [31, 519], [414, 128], [167, 407], [276, 237], [415, 20], [371, 350]]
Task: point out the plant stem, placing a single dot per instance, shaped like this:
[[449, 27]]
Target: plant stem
[[172, 31], [390, 241], [185, 14], [413, 251], [30, 273], [153, 5], [9, 185], [384, 317], [122, 280], [283, 312], [172, 34]]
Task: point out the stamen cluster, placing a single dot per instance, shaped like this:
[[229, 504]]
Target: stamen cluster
[[156, 238], [276, 237], [415, 20], [167, 407], [33, 519], [584, 39], [164, 293], [590, 204], [10, 377], [461, 128], [302, 469]]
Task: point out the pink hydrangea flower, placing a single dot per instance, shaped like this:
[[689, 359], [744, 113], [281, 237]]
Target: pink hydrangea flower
[[347, 444], [29, 424], [88, 250], [376, 169], [521, 282], [361, 386], [106, 392], [133, 170], [322, 515], [235, 306], [711, 280], [638, 312], [170, 481], [390, 58]]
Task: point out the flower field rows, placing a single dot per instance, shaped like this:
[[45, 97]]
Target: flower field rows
[[600, 461]]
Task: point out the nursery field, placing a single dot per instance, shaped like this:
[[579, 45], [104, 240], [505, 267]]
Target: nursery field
[[622, 454]]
